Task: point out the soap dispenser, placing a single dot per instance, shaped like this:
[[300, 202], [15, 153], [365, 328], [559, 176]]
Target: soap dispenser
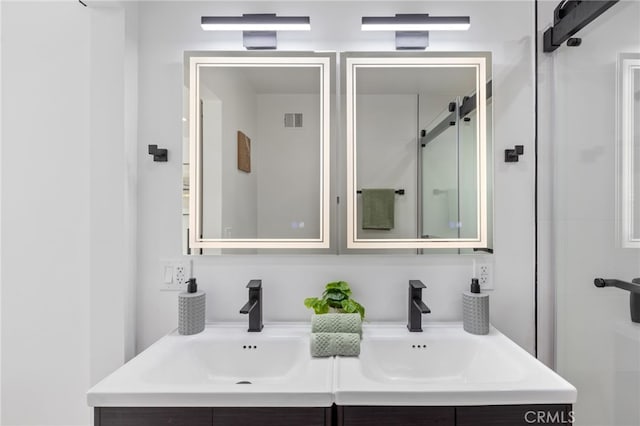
[[191, 309], [475, 310]]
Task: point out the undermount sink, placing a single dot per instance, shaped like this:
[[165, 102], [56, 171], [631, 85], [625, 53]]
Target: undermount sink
[[223, 366], [437, 355], [223, 358], [444, 365]]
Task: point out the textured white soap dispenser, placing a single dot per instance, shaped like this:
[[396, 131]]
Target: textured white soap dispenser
[[191, 309], [475, 310]]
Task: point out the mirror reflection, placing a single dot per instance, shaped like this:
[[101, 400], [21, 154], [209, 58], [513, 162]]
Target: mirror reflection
[[449, 160], [260, 129], [259, 152], [420, 163]]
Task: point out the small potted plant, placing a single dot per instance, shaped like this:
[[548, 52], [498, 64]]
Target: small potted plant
[[335, 298]]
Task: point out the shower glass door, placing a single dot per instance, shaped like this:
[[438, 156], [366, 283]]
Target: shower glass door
[[439, 177], [597, 345]]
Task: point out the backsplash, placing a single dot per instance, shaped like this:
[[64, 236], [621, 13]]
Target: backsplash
[[378, 282]]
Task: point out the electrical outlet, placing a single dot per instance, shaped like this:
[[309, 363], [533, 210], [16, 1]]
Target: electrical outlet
[[484, 274], [175, 274], [180, 274]]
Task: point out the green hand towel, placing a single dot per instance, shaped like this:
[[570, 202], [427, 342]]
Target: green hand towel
[[378, 206], [330, 344], [336, 323]]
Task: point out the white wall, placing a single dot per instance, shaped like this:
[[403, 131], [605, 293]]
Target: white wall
[[68, 193], [169, 28], [239, 188], [212, 167], [287, 165], [131, 172], [46, 213], [387, 156], [109, 247]]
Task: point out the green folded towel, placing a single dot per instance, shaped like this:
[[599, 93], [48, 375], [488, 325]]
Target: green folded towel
[[336, 323], [330, 344], [378, 208]]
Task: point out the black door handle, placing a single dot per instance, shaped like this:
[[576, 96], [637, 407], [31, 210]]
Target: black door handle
[[632, 287]]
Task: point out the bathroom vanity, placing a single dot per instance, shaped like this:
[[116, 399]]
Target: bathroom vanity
[[225, 376], [512, 415]]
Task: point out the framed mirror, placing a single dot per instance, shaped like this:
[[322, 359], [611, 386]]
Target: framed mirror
[[418, 154], [629, 152], [259, 150]]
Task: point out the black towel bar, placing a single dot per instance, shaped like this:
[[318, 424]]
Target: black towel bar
[[398, 191]]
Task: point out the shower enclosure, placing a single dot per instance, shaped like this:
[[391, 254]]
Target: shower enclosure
[[589, 165], [447, 165]]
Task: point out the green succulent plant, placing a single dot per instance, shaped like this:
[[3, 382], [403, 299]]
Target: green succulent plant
[[337, 295]]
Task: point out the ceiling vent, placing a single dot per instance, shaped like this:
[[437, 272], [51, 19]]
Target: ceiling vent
[[293, 119]]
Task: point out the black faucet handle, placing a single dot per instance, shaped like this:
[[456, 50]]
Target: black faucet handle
[[416, 284], [255, 284]]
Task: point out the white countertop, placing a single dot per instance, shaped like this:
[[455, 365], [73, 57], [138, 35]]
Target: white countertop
[[204, 370], [443, 365]]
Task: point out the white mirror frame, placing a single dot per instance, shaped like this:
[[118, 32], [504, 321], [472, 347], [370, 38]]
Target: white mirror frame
[[479, 64], [196, 64], [628, 64]]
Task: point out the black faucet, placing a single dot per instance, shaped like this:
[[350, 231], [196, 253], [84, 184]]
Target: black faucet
[[254, 306], [416, 306]]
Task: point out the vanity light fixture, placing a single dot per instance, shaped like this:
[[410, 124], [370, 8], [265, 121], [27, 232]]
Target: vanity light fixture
[[258, 30], [412, 30]]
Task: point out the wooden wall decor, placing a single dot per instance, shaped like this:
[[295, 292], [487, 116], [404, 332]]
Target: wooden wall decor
[[244, 152]]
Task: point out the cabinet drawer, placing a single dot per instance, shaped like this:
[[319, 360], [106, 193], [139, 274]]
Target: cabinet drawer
[[396, 416], [272, 416], [153, 416], [514, 415]]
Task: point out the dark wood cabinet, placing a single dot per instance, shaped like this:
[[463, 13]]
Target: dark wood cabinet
[[192, 416], [153, 416], [272, 416], [514, 415], [391, 416], [493, 415]]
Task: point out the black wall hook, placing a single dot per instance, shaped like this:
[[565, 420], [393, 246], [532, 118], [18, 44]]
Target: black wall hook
[[513, 155], [158, 154]]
